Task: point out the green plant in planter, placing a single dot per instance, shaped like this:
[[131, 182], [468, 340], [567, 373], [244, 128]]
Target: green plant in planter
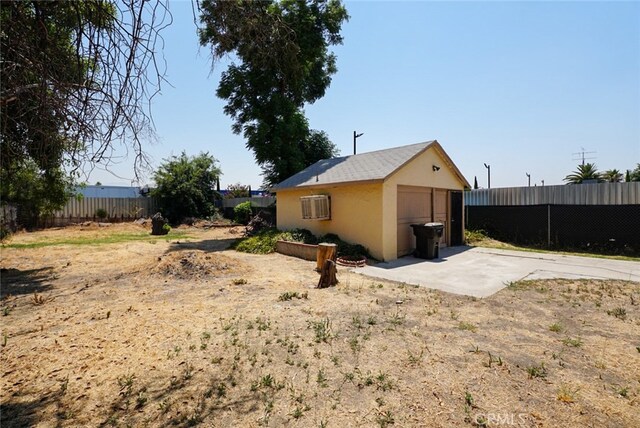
[[166, 228]]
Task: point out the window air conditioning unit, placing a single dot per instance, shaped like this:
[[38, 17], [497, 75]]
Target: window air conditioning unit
[[316, 207]]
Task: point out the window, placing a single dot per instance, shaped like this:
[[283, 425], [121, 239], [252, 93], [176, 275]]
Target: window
[[316, 207]]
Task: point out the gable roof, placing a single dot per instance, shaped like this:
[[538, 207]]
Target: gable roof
[[364, 167]]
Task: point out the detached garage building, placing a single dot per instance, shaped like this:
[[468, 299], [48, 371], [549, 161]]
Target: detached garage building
[[373, 198]]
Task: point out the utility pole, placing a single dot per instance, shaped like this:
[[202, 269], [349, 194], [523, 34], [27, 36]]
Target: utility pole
[[355, 137], [528, 178], [488, 175]]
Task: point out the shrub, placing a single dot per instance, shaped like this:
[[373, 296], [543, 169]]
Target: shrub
[[262, 243], [345, 248], [242, 212], [101, 213], [299, 235], [471, 236]]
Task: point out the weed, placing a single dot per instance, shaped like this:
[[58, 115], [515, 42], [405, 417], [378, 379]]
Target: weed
[[623, 392], [357, 322], [517, 285], [371, 320], [216, 360], [335, 360], [620, 313], [555, 327], [38, 299], [194, 418], [263, 324], [239, 281], [290, 295], [321, 379], [385, 419], [468, 399], [493, 359], [397, 319], [188, 371], [6, 311], [467, 326], [64, 384], [322, 330], [141, 399], [537, 371], [349, 376], [383, 382], [415, 359], [164, 406], [566, 394], [297, 413], [454, 315], [125, 382], [575, 343], [221, 390], [379, 401], [354, 344]]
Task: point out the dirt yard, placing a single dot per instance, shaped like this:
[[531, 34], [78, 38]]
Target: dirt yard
[[103, 326]]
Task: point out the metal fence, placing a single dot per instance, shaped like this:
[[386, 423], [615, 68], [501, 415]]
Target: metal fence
[[597, 228], [87, 209], [578, 194]]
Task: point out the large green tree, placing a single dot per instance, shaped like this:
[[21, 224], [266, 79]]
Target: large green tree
[[584, 172], [281, 61], [186, 186], [77, 78]]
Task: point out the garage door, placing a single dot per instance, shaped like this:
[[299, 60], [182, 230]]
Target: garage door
[[414, 206]]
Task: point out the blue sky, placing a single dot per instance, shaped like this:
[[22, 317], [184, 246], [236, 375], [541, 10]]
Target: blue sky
[[521, 86]]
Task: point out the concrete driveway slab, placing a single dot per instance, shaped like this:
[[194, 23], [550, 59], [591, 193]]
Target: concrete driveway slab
[[481, 272]]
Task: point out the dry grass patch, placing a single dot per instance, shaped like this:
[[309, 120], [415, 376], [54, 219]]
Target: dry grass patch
[[233, 339]]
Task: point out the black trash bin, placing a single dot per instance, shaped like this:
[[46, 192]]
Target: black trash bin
[[428, 239]]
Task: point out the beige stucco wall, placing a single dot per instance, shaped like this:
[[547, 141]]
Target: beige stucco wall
[[356, 214]]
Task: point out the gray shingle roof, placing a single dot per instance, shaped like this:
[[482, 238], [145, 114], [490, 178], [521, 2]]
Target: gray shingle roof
[[369, 166]]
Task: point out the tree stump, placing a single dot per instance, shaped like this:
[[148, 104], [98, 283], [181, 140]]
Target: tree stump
[[157, 225], [328, 275], [325, 252]]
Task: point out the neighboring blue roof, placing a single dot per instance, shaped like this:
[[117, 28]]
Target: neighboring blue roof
[[109, 191]]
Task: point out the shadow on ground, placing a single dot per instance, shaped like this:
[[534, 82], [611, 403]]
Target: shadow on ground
[[444, 254], [15, 282], [209, 245]]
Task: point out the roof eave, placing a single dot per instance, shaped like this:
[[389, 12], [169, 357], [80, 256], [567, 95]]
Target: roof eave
[[330, 184]]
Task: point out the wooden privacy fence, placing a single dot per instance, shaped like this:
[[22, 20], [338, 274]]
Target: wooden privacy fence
[[117, 209]]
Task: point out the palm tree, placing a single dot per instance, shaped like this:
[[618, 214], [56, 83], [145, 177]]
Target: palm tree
[[585, 172], [612, 176]]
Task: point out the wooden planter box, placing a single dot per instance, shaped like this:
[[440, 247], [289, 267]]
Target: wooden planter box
[[297, 249]]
